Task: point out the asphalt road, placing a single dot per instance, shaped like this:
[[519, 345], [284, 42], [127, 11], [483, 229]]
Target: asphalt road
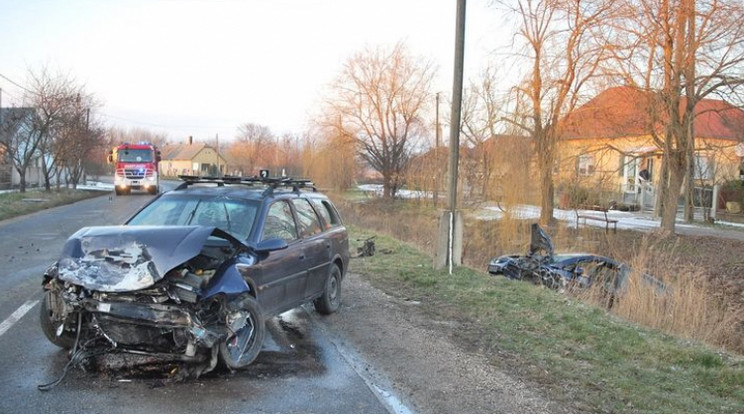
[[302, 368]]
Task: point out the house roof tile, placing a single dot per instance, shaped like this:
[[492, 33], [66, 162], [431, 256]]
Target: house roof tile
[[625, 112]]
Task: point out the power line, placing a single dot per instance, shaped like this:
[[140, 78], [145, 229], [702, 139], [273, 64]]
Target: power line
[[15, 83]]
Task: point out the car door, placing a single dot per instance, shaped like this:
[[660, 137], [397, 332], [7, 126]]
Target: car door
[[315, 245], [282, 274]]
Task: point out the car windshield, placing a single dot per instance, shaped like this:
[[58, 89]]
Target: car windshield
[[234, 216], [135, 155]]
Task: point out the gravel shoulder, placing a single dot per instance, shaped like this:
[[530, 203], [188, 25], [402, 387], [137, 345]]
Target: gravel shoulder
[[417, 354]]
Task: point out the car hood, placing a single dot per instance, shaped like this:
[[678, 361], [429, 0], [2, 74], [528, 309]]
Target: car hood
[[127, 258]]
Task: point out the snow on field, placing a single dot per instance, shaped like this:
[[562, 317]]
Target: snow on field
[[629, 220]]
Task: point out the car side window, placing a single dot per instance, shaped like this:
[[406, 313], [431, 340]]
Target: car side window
[[280, 223], [308, 221]]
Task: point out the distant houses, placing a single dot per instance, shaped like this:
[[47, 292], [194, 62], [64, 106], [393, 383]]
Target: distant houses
[[191, 159]]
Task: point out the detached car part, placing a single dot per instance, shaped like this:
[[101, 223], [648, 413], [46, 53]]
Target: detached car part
[[572, 270]]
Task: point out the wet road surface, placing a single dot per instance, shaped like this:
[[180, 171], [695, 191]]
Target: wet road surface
[[300, 370]]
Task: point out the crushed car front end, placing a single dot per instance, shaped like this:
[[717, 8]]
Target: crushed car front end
[[165, 293]]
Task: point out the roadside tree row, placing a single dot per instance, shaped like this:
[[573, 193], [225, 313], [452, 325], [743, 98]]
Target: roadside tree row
[[54, 131]]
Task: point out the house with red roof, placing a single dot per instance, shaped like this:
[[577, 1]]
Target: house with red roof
[[607, 144]]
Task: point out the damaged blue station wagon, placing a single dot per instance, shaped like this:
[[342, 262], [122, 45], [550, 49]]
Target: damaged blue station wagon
[[194, 274]]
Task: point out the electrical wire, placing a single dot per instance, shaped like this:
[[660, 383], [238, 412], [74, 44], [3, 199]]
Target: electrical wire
[[15, 83]]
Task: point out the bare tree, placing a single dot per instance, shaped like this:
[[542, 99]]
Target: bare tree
[[249, 149], [329, 156], [380, 97], [564, 49], [136, 134], [681, 51], [19, 140], [482, 120], [82, 136]]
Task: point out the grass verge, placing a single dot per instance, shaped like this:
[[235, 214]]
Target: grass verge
[[17, 204], [580, 354]]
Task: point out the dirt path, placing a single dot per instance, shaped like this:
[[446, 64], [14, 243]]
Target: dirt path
[[428, 371]]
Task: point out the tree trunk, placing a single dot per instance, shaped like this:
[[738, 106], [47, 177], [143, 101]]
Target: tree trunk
[[22, 180], [546, 201], [387, 186], [46, 174], [671, 196]]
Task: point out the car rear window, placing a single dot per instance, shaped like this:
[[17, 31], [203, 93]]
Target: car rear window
[[330, 216]]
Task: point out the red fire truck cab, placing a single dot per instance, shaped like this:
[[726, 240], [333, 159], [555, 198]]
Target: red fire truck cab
[[136, 168]]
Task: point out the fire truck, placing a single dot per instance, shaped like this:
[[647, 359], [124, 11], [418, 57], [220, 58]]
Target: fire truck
[[136, 168]]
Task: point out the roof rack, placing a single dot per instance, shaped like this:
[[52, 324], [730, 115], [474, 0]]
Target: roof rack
[[272, 183]]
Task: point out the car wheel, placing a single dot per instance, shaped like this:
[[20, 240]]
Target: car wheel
[[117, 191], [244, 342], [153, 190], [49, 324], [330, 300]]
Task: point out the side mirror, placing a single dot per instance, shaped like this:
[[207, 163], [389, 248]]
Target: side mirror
[[110, 157], [270, 245], [158, 157]]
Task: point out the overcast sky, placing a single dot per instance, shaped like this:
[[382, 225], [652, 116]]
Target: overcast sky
[[203, 67]]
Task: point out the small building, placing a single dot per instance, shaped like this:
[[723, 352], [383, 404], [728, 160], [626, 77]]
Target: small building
[[191, 159]]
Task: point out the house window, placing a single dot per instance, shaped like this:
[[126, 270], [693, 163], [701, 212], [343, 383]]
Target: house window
[[704, 168], [586, 164]]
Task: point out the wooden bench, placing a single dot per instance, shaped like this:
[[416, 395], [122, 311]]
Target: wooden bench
[[596, 217]]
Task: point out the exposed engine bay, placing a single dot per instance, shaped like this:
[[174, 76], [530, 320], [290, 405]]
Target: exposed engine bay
[[157, 294]]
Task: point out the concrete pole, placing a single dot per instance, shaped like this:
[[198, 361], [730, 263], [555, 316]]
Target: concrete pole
[[455, 132], [714, 206], [438, 138]]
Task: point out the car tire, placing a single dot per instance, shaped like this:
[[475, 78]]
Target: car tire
[[49, 326], [117, 191], [153, 190], [240, 349], [330, 300]]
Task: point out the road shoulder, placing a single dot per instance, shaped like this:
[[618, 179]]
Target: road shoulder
[[426, 368]]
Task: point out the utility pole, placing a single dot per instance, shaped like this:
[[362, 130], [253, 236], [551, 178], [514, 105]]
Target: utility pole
[[439, 132], [438, 135], [450, 224]]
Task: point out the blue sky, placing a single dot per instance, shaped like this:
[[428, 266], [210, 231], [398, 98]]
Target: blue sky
[[203, 67]]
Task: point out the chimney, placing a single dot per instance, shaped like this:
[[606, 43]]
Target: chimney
[[191, 140]]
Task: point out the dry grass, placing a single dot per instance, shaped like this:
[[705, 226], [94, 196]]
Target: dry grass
[[698, 303], [16, 204], [689, 306]]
